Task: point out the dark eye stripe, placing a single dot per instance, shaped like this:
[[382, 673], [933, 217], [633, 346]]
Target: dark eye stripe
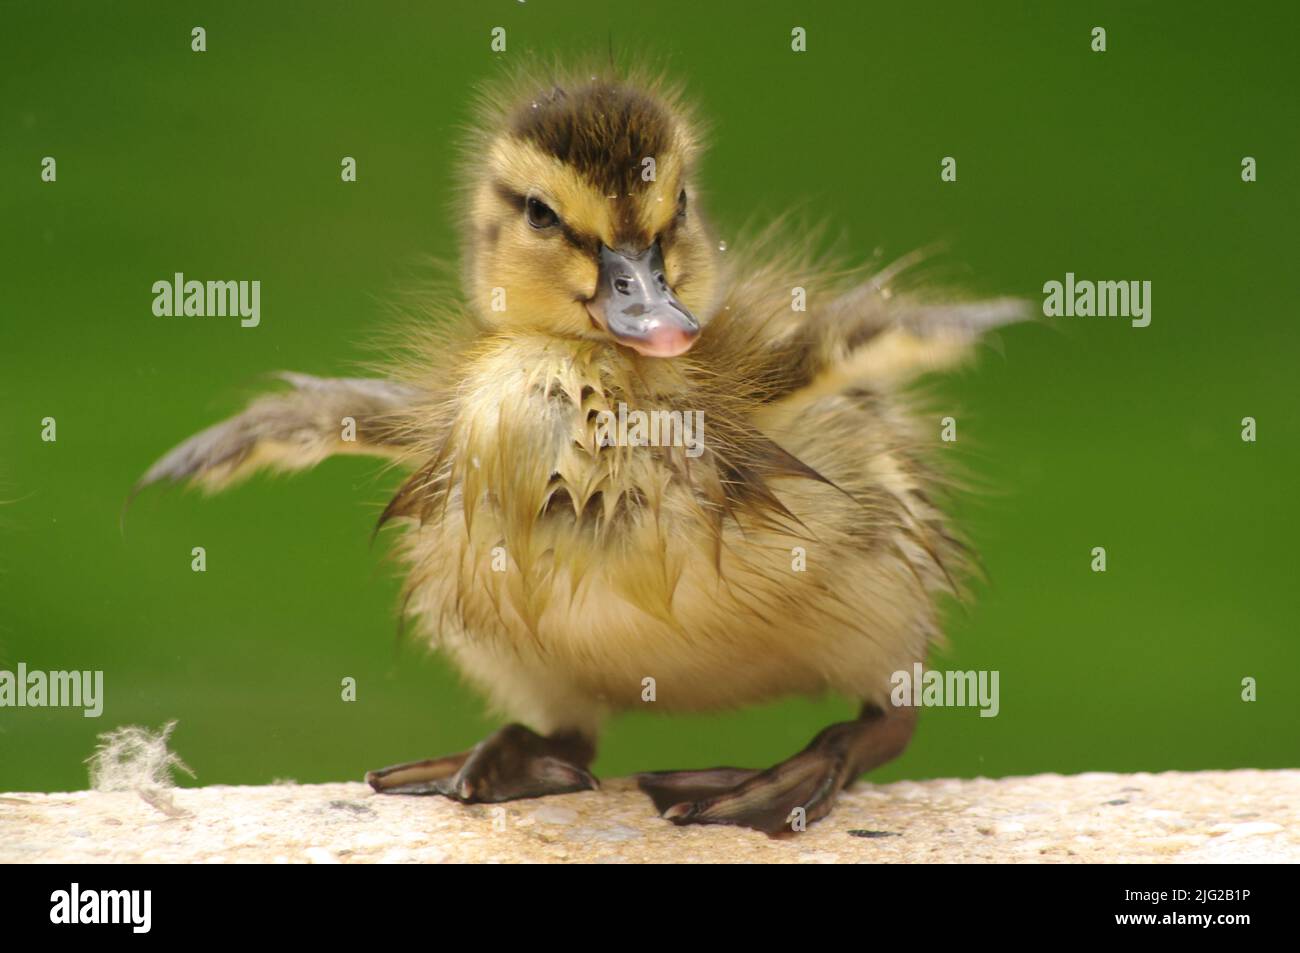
[[586, 243], [510, 196], [519, 202], [669, 231]]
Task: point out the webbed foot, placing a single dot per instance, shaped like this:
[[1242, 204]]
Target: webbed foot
[[785, 798], [513, 762]]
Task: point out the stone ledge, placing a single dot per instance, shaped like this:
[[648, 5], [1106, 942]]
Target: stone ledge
[[1210, 816]]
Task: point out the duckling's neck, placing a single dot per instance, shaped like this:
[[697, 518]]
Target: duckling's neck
[[578, 367], [527, 425]]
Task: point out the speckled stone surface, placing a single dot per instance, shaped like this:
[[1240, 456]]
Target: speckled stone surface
[[1227, 816]]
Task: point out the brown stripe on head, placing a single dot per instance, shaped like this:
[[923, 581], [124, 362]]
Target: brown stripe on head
[[605, 130], [602, 129]]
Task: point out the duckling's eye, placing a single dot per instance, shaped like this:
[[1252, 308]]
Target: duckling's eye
[[681, 204], [541, 215]]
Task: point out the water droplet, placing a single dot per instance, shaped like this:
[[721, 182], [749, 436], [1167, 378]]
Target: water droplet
[[722, 246]]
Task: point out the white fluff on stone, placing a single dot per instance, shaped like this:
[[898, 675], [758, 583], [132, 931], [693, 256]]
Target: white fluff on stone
[[137, 759]]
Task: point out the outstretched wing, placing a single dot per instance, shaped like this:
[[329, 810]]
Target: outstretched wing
[[873, 328], [293, 430], [863, 338]]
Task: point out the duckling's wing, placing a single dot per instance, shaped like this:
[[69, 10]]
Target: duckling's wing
[[866, 327], [293, 430], [892, 340]]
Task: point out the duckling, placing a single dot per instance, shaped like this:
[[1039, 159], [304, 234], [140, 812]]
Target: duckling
[[572, 571]]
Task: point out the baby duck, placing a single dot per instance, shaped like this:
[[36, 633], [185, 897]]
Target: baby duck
[[571, 570]]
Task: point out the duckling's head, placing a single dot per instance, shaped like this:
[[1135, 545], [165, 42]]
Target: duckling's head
[[582, 219]]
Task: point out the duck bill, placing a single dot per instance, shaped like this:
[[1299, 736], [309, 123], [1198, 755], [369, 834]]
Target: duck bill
[[634, 303]]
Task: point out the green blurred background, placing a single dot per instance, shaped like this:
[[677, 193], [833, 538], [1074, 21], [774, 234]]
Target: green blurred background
[[1087, 432]]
